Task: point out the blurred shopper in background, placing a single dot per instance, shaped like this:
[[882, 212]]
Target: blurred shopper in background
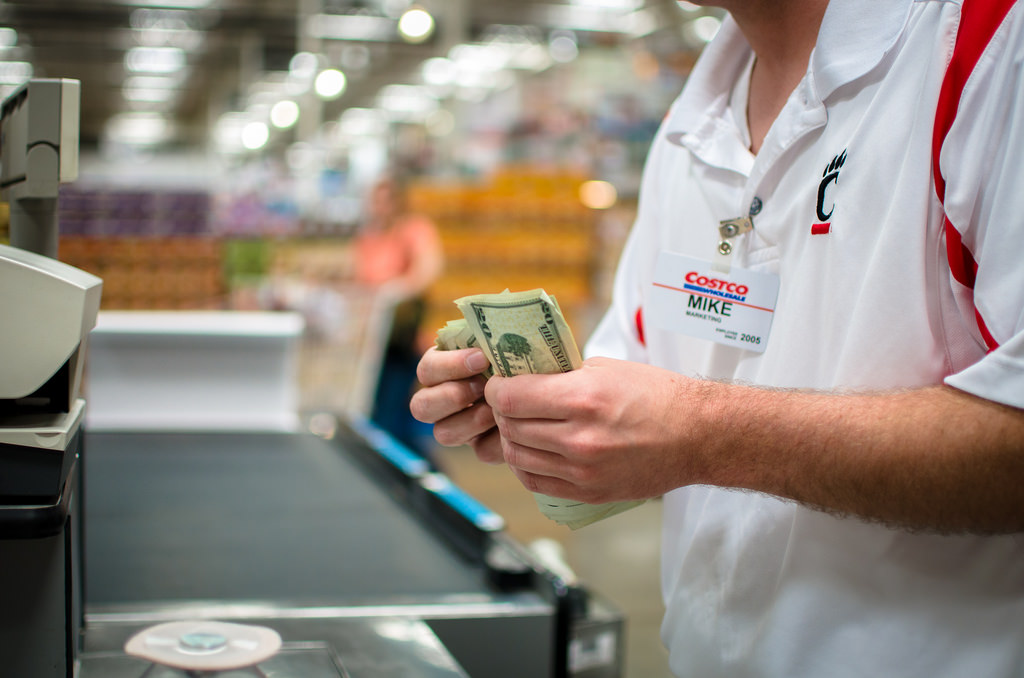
[[843, 464], [398, 255]]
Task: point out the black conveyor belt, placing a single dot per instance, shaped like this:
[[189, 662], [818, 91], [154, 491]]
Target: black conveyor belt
[[251, 516]]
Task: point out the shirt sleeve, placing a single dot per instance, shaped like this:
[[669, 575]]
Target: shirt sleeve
[[983, 162]]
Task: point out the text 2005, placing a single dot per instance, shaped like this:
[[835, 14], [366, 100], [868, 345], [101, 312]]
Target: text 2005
[[750, 338]]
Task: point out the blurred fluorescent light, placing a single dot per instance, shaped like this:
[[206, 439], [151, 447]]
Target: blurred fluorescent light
[[154, 59], [532, 58], [607, 17], [439, 71], [14, 72], [362, 122], [330, 84], [166, 28], [284, 114], [8, 37], [227, 133], [478, 58], [350, 27], [138, 129], [169, 4], [407, 99], [186, 39], [416, 25]]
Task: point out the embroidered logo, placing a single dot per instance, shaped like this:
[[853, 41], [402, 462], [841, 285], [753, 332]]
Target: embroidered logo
[[828, 177]]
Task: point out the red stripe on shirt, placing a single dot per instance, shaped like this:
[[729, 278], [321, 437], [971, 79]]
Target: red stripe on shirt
[[979, 21]]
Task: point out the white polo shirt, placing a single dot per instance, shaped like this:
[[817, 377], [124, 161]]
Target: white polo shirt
[[846, 214]]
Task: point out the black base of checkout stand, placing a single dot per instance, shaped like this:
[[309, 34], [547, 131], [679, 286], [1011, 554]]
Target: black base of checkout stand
[[363, 561], [40, 546]]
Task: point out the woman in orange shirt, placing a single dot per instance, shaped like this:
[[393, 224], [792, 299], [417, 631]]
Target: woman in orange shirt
[[399, 254]]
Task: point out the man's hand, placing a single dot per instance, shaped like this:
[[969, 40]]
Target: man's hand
[[609, 431], [452, 400]]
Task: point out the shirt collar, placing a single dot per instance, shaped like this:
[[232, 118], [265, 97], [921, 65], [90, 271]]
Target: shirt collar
[[855, 36]]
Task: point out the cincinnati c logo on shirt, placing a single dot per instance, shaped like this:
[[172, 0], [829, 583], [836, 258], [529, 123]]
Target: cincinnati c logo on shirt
[[828, 177]]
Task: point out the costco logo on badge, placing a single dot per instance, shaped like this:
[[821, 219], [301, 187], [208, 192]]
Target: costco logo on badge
[[698, 282]]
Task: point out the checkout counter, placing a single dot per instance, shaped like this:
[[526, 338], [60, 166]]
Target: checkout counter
[[309, 534], [341, 544]]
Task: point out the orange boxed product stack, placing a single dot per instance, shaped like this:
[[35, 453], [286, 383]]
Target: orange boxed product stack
[[153, 273], [152, 248], [522, 229]]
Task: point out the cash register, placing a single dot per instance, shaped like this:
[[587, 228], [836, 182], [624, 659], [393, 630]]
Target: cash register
[[47, 309]]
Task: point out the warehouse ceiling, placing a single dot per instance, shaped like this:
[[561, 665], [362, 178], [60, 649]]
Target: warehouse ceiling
[[225, 51]]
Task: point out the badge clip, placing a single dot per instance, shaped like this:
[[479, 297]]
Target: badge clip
[[728, 229]]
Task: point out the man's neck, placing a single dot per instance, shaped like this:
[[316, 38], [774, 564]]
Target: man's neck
[[782, 34]]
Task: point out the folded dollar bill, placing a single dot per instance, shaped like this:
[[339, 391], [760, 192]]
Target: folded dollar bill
[[525, 333]]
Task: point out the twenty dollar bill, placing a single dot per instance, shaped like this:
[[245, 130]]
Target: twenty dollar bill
[[525, 333]]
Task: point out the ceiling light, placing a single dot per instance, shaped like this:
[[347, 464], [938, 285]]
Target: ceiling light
[[227, 133], [255, 135], [330, 84], [14, 72], [563, 48], [8, 37], [439, 71], [416, 25], [169, 4], [407, 99], [361, 122], [284, 114], [154, 59], [470, 58], [138, 129], [533, 58], [303, 65], [350, 27]]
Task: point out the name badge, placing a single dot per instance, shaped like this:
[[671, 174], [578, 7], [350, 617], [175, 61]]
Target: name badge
[[691, 298]]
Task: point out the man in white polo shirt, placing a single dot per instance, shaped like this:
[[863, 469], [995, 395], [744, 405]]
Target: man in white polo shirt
[[815, 349]]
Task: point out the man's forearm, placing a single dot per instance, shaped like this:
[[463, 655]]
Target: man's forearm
[[932, 459]]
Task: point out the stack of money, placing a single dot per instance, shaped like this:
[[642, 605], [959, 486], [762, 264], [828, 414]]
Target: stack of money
[[525, 333]]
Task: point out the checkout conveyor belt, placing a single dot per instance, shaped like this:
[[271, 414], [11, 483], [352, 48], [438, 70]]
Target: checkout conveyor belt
[[300, 529], [254, 516]]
